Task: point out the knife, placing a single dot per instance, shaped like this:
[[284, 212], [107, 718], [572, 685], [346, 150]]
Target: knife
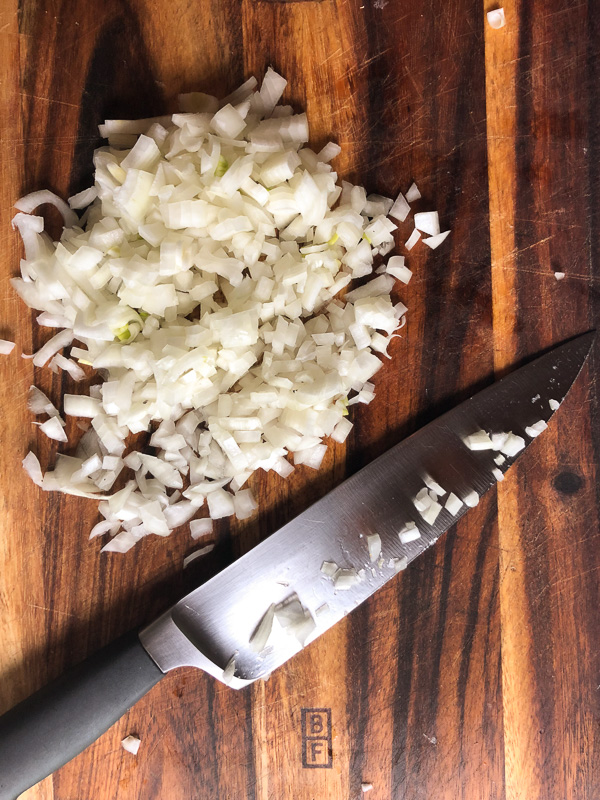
[[259, 612]]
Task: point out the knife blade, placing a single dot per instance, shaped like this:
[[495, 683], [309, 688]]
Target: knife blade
[[213, 627], [264, 608]]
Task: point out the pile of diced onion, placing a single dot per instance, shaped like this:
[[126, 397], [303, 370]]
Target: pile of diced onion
[[203, 283]]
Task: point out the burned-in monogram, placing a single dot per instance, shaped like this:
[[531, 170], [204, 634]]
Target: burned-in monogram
[[317, 752]]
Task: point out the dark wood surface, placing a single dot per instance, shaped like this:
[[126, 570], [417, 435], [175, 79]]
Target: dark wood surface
[[475, 674]]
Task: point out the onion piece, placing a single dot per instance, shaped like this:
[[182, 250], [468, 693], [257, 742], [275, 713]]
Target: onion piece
[[413, 193], [53, 429], [30, 202], [52, 346], [479, 441], [32, 467], [198, 554], [6, 347], [262, 632], [345, 579], [496, 18], [453, 504], [513, 445], [84, 198], [131, 744], [201, 527], [374, 545], [398, 564], [428, 222], [412, 239], [554, 405], [538, 427], [471, 499], [203, 281], [409, 533], [435, 241], [401, 209]]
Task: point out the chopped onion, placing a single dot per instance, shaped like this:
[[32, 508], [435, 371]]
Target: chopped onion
[[479, 441], [204, 282], [6, 347], [295, 618], [512, 445], [413, 193], [433, 485], [79, 405], [229, 671], [260, 637], [435, 241], [374, 545], [400, 210], [131, 744], [471, 499], [198, 554], [534, 430], [31, 201], [496, 18], [395, 267], [428, 222], [498, 440], [412, 239], [329, 568], [32, 467], [398, 564], [453, 504], [84, 198], [68, 365], [498, 474], [432, 511], [341, 430], [409, 533], [345, 579], [499, 459], [53, 429], [559, 276], [201, 527], [52, 346], [554, 405]]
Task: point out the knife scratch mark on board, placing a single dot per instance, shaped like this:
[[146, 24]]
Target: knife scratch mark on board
[[53, 610]]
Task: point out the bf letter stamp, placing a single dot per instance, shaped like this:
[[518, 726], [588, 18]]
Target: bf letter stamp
[[316, 738]]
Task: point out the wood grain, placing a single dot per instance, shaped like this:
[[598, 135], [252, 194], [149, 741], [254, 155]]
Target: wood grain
[[474, 674]]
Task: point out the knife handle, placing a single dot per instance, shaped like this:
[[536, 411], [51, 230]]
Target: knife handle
[[60, 720]]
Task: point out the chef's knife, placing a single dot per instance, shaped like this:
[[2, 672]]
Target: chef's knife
[[265, 607]]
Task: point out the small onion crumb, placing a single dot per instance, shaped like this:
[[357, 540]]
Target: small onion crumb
[[471, 499], [409, 533], [6, 347], [203, 551], [554, 405], [366, 787], [131, 744], [538, 427], [479, 441], [374, 545], [453, 504], [559, 275], [496, 18]]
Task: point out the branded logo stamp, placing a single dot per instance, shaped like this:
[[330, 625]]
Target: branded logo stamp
[[317, 751]]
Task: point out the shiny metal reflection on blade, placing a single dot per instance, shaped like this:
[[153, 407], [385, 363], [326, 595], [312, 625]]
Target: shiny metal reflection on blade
[[212, 626]]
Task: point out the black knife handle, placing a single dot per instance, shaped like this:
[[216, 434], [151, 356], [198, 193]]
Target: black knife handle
[[60, 720]]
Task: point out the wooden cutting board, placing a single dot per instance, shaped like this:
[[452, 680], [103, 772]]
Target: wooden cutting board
[[475, 674]]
